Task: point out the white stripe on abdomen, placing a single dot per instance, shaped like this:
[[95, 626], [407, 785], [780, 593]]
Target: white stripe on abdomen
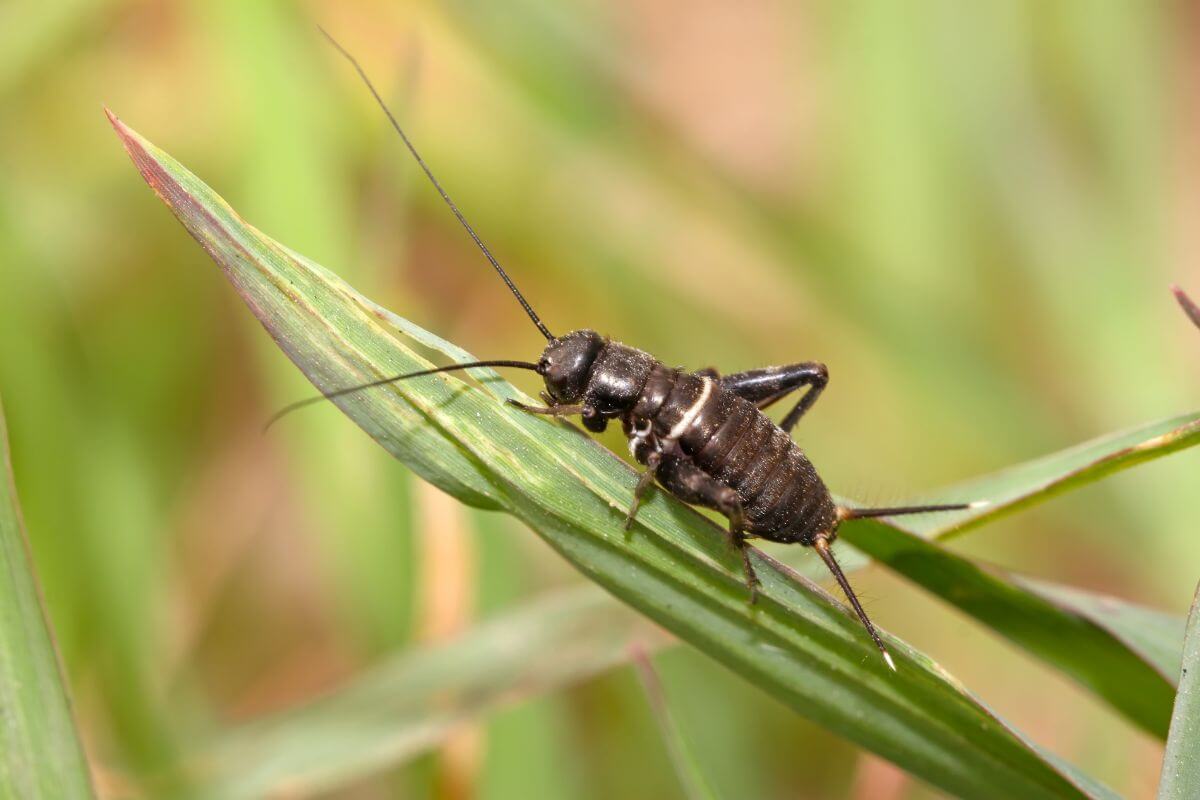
[[690, 415]]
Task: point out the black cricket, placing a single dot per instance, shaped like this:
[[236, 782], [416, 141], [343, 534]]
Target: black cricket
[[702, 436]]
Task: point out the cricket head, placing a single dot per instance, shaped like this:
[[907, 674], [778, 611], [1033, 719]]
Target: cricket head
[[567, 362]]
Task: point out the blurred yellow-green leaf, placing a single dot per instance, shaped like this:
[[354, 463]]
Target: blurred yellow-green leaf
[[691, 775], [1036, 481], [411, 702], [1181, 762], [40, 752]]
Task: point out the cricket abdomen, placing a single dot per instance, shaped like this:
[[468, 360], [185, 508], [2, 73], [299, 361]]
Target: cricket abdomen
[[730, 439], [783, 498]]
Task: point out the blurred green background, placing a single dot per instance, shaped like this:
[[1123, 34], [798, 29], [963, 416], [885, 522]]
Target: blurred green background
[[971, 212]]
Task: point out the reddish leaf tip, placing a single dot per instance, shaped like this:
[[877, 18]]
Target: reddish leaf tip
[[120, 127], [1187, 304], [152, 171]]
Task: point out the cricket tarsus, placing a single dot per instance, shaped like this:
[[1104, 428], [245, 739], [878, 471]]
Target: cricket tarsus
[[299, 404], [512, 287]]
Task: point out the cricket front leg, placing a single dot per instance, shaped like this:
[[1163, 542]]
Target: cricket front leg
[[645, 481], [551, 409]]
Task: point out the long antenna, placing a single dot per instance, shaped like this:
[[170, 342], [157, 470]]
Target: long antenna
[[821, 544], [299, 404], [512, 287]]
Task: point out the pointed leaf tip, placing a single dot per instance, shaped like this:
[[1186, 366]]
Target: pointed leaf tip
[[149, 161], [120, 127], [126, 135], [1188, 305]]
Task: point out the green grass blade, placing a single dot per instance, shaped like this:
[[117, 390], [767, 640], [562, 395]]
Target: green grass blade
[[1153, 636], [562, 639], [1125, 654], [1035, 481], [409, 703], [1181, 761], [696, 786], [40, 753], [798, 644]]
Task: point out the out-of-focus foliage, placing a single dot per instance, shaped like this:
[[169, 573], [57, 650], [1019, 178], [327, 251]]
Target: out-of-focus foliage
[[40, 752], [1181, 767], [970, 211]]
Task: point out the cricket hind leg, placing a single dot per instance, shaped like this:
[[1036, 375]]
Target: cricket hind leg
[[768, 385], [680, 476]]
